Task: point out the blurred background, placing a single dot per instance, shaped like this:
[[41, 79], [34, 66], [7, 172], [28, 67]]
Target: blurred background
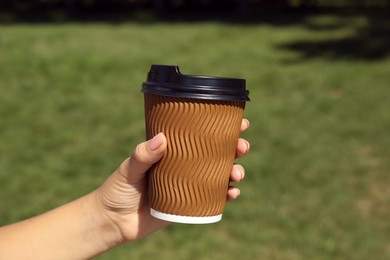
[[317, 177]]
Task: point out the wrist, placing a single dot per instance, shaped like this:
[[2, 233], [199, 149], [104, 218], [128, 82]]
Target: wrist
[[105, 227]]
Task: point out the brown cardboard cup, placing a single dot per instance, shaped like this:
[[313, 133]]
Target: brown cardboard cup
[[189, 184]]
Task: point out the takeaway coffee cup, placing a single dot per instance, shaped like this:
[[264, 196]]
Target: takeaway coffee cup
[[201, 118]]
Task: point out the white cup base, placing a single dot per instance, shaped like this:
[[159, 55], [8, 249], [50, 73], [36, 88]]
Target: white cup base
[[185, 219]]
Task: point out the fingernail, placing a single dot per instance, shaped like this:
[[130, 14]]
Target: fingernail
[[247, 122], [238, 192], [242, 172], [155, 142], [248, 146]]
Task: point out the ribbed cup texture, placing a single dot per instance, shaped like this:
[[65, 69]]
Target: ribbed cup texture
[[192, 177]]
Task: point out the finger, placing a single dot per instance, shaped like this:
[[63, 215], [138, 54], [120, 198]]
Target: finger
[[244, 125], [233, 193], [238, 173], [243, 147], [143, 157]]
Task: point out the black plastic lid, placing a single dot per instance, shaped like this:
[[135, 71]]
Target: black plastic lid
[[167, 80]]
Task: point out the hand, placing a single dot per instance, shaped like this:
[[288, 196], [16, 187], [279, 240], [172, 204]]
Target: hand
[[122, 199]]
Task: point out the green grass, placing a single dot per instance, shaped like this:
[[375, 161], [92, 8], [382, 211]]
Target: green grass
[[317, 176]]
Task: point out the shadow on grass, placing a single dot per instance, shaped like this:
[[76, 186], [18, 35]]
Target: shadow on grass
[[367, 41]]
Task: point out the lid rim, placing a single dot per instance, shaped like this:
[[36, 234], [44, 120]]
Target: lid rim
[[189, 88], [197, 96]]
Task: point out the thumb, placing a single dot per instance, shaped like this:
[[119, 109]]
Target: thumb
[[144, 156]]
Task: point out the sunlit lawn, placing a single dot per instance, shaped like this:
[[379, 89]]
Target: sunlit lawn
[[317, 177]]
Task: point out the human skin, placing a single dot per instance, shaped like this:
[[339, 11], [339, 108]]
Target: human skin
[[115, 213]]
